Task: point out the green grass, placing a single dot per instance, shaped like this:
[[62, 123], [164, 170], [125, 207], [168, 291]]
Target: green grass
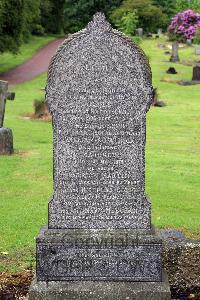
[[173, 146], [172, 162], [9, 61], [26, 176]]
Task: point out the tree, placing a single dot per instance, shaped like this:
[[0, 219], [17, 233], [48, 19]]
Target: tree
[[11, 25], [182, 5], [150, 17], [184, 25], [77, 13], [168, 7], [31, 17], [128, 23], [52, 15]]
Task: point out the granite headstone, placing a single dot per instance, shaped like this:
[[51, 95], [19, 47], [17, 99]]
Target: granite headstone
[[99, 90]]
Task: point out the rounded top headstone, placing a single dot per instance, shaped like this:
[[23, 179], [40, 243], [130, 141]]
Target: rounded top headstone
[[94, 52], [99, 24]]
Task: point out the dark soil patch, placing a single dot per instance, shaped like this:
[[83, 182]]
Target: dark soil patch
[[41, 112], [33, 116], [14, 286], [186, 294]]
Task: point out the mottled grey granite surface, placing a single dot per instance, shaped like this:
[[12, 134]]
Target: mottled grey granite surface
[[91, 290], [181, 258], [98, 92], [98, 255]]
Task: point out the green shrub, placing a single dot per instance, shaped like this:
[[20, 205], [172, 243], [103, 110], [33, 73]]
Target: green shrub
[[136, 39], [196, 39], [39, 30], [128, 22]]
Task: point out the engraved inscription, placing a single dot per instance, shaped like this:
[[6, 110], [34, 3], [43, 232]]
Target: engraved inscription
[[98, 94], [139, 263]]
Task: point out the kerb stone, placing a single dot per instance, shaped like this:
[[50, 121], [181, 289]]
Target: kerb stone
[[90, 290]]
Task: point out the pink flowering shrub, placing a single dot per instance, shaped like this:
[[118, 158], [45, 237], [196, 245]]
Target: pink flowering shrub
[[184, 26]]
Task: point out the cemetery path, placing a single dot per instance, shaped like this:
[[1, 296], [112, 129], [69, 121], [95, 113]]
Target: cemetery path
[[34, 66]]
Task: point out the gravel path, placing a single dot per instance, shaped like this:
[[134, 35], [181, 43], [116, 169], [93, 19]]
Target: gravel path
[[34, 66]]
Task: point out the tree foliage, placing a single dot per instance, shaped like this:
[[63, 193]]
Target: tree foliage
[[11, 25], [168, 7], [77, 13], [150, 17], [52, 15], [31, 17], [20, 18], [182, 5], [128, 23], [184, 25]]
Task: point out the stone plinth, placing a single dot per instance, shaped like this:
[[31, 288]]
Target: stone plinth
[[181, 260], [91, 290], [98, 255]]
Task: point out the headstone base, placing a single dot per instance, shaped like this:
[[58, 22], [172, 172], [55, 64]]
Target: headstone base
[[174, 59], [188, 82], [6, 141], [98, 254], [91, 290]]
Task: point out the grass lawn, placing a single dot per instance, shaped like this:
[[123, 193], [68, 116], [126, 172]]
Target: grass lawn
[[172, 162], [9, 61]]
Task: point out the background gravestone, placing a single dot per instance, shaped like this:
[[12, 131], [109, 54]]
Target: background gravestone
[[175, 57], [196, 73], [197, 50], [98, 92], [189, 42], [6, 136], [140, 32]]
